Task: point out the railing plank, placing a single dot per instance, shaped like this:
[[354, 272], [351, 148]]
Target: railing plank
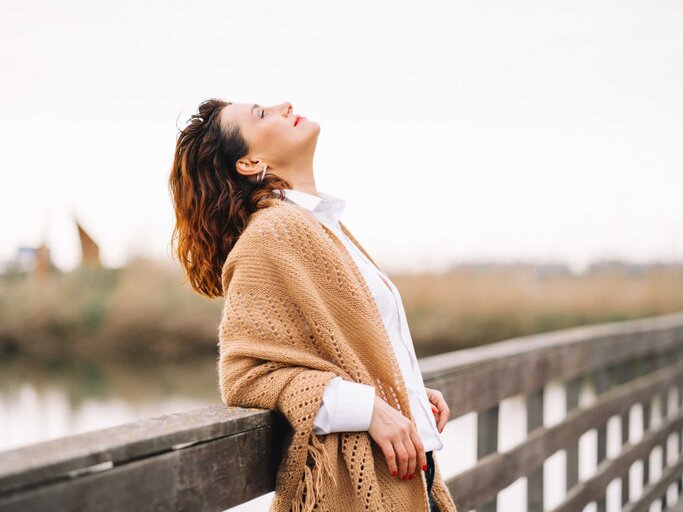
[[593, 488], [479, 378], [209, 476], [217, 457], [481, 483], [71, 455]]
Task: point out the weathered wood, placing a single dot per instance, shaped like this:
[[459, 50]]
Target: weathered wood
[[663, 399], [572, 388], [487, 443], [69, 456], [625, 373], [593, 488], [653, 490], [211, 476], [217, 457], [534, 420], [479, 378], [678, 507], [479, 484], [601, 383]]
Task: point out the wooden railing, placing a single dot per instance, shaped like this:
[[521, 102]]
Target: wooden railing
[[216, 457]]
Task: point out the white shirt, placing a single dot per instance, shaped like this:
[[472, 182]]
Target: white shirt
[[347, 405]]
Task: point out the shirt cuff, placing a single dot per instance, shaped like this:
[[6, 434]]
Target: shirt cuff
[[347, 406]]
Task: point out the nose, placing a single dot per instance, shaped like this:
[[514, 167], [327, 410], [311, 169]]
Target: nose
[[287, 108]]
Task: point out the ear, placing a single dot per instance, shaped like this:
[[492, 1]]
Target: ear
[[246, 167]]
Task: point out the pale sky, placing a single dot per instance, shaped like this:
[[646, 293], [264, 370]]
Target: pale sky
[[455, 131]]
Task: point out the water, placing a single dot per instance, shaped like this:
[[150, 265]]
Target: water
[[46, 401], [42, 401]]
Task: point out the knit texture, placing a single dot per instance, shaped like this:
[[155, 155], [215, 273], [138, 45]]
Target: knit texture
[[297, 313]]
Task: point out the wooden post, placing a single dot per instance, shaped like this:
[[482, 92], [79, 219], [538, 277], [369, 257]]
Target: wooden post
[[487, 442], [534, 420]]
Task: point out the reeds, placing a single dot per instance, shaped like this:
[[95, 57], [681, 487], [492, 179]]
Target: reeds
[[148, 308]]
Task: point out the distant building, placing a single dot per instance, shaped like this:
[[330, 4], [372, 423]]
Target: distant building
[[26, 259], [36, 260]]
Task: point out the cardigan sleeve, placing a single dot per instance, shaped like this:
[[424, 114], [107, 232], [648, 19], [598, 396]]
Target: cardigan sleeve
[[258, 370], [346, 407], [266, 359]]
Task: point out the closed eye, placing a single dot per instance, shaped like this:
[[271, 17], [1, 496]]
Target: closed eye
[[263, 113]]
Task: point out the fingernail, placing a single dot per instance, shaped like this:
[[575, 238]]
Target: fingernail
[[394, 473], [411, 476], [405, 476], [424, 467]]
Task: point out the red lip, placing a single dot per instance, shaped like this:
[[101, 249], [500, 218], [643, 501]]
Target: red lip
[[298, 118]]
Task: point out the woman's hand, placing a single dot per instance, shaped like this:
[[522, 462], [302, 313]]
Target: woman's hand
[[396, 436], [439, 407]]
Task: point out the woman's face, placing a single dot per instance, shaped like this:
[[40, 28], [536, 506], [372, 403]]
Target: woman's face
[[270, 132]]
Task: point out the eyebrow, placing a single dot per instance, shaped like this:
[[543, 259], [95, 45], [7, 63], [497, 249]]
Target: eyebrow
[[251, 112]]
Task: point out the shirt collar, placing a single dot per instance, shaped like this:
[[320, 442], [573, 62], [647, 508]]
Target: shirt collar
[[323, 202]]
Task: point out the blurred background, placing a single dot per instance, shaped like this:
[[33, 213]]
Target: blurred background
[[516, 167]]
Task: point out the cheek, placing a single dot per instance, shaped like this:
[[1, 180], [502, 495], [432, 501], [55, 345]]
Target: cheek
[[282, 137]]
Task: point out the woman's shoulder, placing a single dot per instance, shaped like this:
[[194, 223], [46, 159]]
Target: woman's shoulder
[[278, 228], [277, 221]]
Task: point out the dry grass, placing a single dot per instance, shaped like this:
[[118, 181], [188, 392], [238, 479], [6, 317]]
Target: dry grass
[[142, 309], [469, 308], [146, 308]]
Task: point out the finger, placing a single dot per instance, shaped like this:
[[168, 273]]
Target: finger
[[420, 450], [437, 415], [412, 455], [441, 423], [402, 458], [443, 417], [434, 396], [390, 456]]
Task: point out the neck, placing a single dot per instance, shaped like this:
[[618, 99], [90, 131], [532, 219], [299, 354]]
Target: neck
[[305, 186], [300, 174]]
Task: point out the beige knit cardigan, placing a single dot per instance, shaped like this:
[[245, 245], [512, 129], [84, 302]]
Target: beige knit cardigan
[[297, 313]]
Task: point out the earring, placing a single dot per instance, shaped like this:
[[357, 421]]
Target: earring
[[262, 174]]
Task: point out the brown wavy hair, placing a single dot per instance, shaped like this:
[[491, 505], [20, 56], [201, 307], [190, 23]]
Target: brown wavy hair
[[212, 201]]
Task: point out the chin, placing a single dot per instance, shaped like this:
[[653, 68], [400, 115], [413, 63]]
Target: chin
[[315, 127], [311, 138]]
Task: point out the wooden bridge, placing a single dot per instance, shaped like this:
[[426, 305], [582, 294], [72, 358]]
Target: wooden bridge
[[216, 457]]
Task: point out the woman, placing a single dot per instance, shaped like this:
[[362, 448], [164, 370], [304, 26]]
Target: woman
[[311, 326]]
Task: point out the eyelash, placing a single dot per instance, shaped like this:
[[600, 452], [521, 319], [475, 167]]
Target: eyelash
[[263, 113]]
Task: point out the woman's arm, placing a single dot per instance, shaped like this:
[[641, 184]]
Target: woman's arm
[[346, 407], [264, 357]]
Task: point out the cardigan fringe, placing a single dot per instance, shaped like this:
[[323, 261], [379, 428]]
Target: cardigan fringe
[[308, 490]]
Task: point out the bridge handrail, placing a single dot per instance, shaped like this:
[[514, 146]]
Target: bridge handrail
[[215, 457]]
